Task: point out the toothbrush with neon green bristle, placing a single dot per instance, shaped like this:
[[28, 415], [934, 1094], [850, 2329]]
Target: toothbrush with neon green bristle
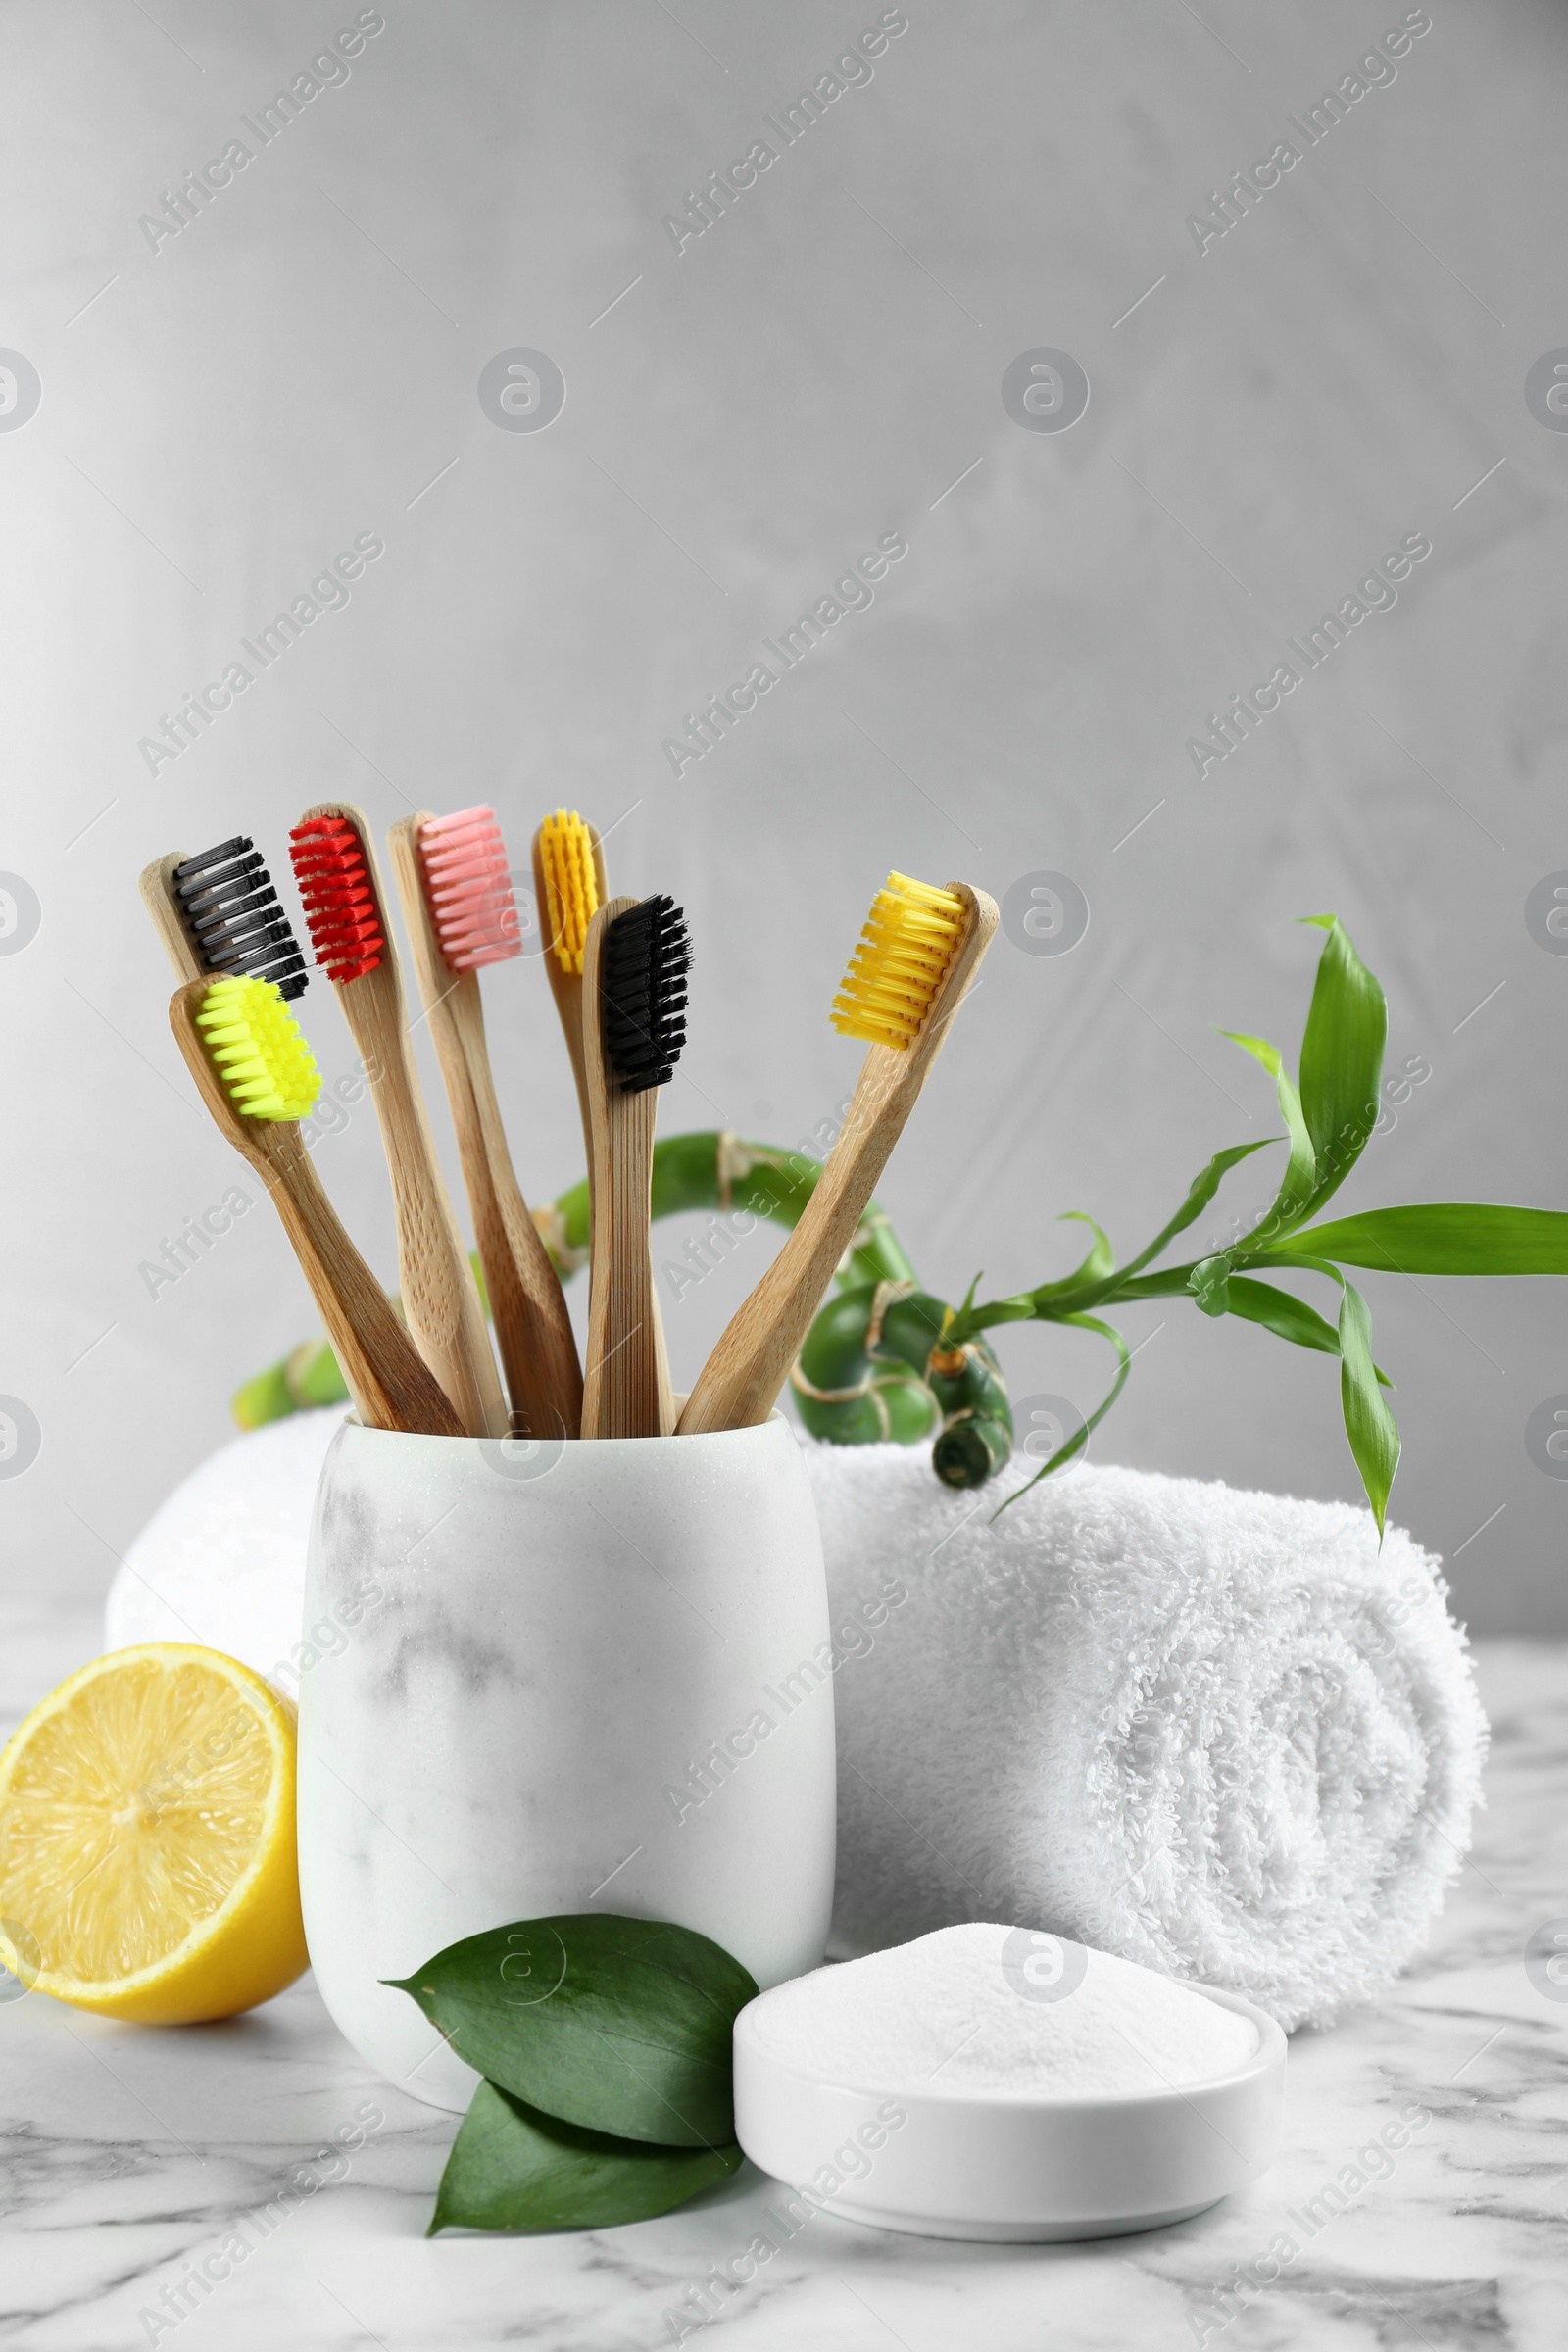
[[257, 1078]]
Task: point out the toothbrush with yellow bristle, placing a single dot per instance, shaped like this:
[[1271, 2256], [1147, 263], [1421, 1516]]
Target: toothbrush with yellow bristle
[[457, 905], [915, 958], [257, 1078], [569, 888]]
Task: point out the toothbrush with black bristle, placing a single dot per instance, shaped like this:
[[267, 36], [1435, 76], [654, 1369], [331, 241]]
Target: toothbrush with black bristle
[[635, 963], [219, 912]]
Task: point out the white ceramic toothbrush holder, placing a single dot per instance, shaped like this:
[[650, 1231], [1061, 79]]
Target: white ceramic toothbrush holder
[[575, 1676]]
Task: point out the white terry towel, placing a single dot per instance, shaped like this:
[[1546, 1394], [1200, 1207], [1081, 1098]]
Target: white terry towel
[[1217, 1733]]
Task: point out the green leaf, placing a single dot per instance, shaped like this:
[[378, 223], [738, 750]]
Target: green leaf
[[617, 2024], [1368, 1423], [1046, 1302], [1200, 1192], [1342, 1058], [514, 2168], [1293, 1198], [1440, 1236], [1209, 1284], [1288, 1318], [1080, 1437], [1093, 1268], [1171, 1282]]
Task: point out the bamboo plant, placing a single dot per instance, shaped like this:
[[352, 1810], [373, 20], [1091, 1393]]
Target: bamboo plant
[[886, 1359]]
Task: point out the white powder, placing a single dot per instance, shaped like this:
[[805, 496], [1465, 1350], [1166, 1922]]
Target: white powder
[[1001, 2009]]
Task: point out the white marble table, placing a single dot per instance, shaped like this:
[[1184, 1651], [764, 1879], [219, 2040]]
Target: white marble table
[[131, 2154]]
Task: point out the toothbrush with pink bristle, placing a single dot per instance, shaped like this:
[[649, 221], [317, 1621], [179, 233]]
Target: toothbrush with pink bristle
[[458, 903]]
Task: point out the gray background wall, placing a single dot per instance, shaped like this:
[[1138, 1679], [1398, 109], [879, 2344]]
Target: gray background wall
[[300, 364]]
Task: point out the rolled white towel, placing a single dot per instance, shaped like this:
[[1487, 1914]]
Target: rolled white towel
[[1217, 1733]]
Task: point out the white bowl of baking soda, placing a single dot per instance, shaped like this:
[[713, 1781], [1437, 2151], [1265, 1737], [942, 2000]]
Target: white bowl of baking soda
[[999, 2083]]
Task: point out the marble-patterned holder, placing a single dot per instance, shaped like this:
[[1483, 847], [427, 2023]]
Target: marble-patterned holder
[[575, 1676]]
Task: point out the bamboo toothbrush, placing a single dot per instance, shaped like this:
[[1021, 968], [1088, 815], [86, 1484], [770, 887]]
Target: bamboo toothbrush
[[256, 1075], [634, 1005], [917, 956], [340, 885], [457, 905], [568, 883], [219, 913]]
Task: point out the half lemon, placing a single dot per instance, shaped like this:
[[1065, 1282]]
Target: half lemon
[[147, 1855]]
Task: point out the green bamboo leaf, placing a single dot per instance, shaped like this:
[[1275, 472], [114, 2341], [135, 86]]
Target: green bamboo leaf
[[1080, 1437], [1297, 1186], [1436, 1237], [1046, 1302], [1093, 1268], [1171, 1282], [616, 2025], [1288, 1318], [1209, 1284], [513, 2167], [1342, 1058], [1368, 1423], [1200, 1192]]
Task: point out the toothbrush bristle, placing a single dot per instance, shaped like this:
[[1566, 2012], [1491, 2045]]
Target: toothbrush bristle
[[232, 913], [571, 885], [338, 897], [641, 982], [907, 942], [257, 1049], [467, 888]]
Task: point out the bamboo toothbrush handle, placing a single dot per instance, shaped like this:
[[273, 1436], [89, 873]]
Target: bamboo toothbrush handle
[[567, 987], [533, 1325], [740, 1381], [390, 1386], [742, 1378], [439, 1299], [534, 1328], [157, 886], [626, 1380]]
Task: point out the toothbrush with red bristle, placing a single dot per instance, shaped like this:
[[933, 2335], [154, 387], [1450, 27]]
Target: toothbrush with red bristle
[[345, 909], [457, 904]]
